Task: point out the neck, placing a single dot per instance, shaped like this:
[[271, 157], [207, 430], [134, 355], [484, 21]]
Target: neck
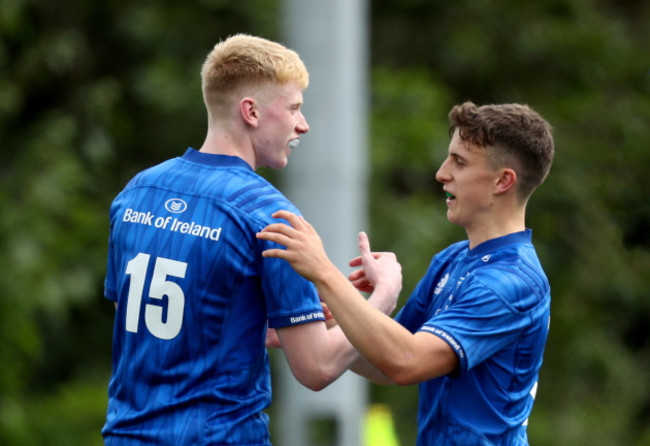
[[498, 225], [221, 142]]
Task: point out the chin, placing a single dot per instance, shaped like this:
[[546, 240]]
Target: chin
[[453, 219], [279, 165]]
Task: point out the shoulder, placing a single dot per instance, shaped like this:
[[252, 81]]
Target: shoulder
[[235, 189], [444, 261], [153, 174], [515, 278], [258, 199], [451, 252]]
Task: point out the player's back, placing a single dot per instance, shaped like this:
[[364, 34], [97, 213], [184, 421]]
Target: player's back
[[189, 364]]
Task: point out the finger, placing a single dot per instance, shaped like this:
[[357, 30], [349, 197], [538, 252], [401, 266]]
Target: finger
[[361, 283], [292, 218], [365, 287], [272, 339], [275, 237], [355, 261], [277, 253], [364, 247], [357, 274], [358, 283], [279, 228], [326, 311]]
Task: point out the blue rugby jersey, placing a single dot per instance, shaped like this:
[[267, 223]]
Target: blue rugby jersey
[[491, 304], [193, 297]]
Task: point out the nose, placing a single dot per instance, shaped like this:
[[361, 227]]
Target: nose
[[302, 127], [442, 175]]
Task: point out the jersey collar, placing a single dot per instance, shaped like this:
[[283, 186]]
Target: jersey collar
[[499, 242], [211, 159]]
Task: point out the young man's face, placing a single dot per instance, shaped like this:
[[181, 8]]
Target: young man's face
[[469, 178], [280, 122]]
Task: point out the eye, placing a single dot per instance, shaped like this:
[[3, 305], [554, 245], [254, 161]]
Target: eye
[[457, 160]]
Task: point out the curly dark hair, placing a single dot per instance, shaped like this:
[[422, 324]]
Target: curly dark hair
[[515, 136]]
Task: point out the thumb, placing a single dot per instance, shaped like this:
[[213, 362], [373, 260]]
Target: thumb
[[364, 247]]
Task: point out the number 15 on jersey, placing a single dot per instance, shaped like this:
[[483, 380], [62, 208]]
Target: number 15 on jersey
[[160, 287]]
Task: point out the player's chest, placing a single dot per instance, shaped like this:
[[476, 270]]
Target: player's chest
[[448, 286]]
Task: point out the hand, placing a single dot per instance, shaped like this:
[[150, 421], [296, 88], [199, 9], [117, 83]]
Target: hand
[[326, 311], [272, 339], [358, 277], [378, 269], [304, 248]]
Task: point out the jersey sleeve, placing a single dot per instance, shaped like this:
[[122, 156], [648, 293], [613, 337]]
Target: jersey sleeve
[[290, 298], [478, 324]]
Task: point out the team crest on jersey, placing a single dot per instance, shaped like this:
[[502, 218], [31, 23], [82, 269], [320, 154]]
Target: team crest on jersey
[[441, 284], [176, 205]]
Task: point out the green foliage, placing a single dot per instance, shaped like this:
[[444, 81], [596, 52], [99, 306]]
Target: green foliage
[[91, 92], [409, 140]]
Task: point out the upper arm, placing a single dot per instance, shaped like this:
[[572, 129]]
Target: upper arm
[[298, 342], [364, 368], [423, 357], [317, 356], [435, 357]]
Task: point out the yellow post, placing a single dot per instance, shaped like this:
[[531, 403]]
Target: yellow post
[[379, 429]]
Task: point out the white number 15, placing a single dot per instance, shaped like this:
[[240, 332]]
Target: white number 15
[[159, 288]]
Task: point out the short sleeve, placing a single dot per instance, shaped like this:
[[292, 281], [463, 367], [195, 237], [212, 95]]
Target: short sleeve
[[479, 323], [290, 298]]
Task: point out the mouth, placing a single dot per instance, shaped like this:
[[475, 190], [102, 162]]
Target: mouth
[[450, 197], [293, 144]]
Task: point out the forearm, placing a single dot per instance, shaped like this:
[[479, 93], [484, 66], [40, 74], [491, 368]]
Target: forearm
[[374, 334], [382, 302], [362, 367]]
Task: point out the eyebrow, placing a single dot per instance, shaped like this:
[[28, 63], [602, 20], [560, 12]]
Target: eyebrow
[[460, 153], [456, 155]]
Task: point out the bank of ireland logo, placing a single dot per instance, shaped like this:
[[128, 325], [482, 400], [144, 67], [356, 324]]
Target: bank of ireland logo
[[175, 205]]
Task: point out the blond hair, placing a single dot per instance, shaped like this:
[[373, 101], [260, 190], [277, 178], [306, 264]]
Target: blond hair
[[242, 61]]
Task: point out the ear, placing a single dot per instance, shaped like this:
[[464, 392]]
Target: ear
[[249, 111], [506, 181]]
